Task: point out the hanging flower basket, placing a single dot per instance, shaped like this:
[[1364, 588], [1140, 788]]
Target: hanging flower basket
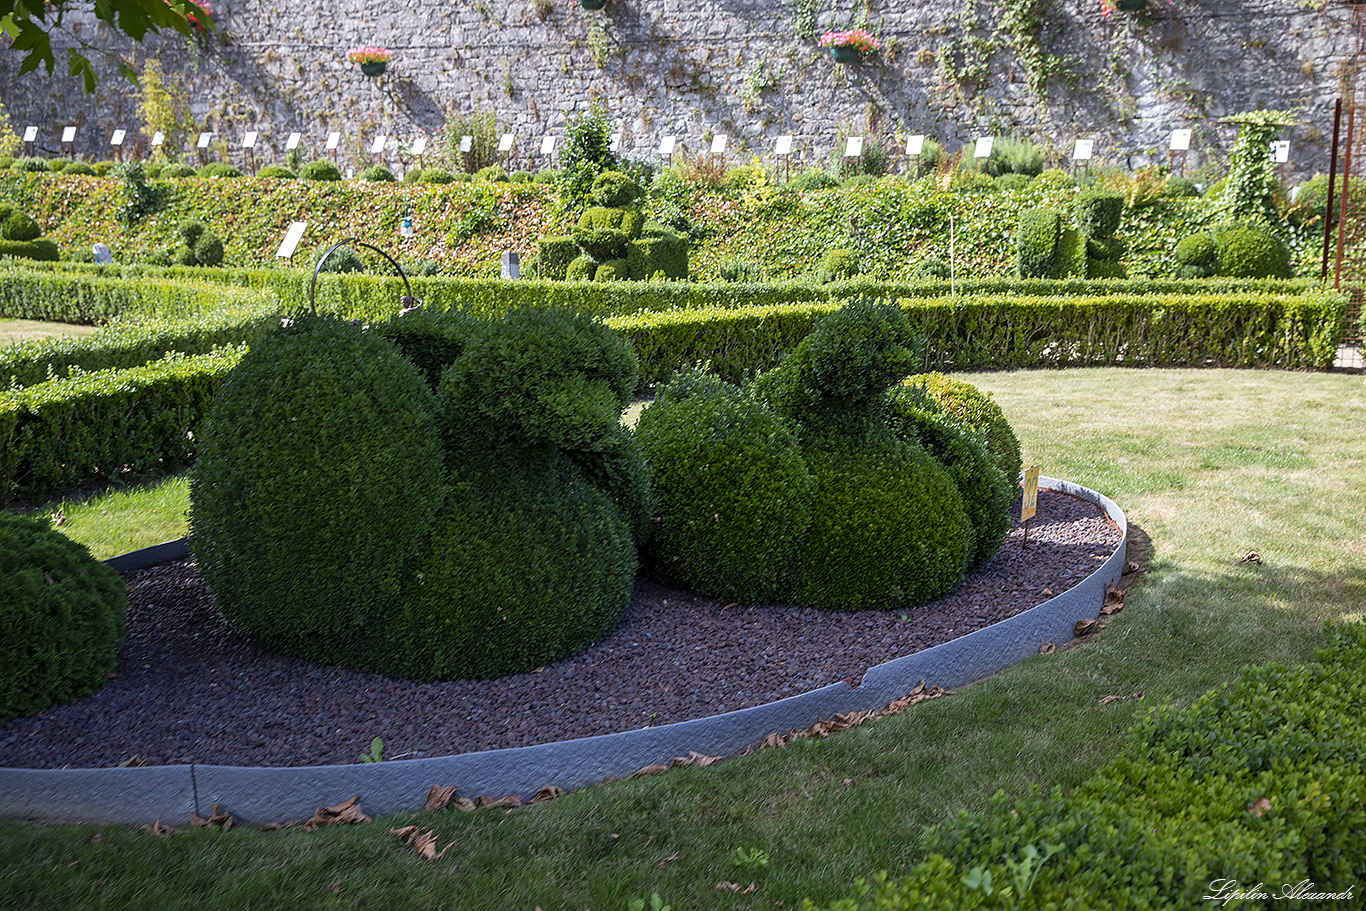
[[592, 4], [848, 47], [373, 61], [205, 11], [1131, 6]]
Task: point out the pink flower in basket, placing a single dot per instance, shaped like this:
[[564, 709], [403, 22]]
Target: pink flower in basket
[[368, 55], [204, 9], [856, 38]]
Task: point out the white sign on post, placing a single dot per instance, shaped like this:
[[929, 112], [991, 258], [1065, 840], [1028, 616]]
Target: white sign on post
[[614, 141], [203, 140], [333, 140], [1083, 150], [505, 142], [249, 140], [117, 138], [1280, 151], [419, 145], [292, 238], [466, 143], [68, 134], [718, 144], [378, 145], [915, 145], [158, 138], [292, 142], [983, 147], [30, 134], [853, 148], [666, 145], [783, 146], [547, 144], [1181, 140]]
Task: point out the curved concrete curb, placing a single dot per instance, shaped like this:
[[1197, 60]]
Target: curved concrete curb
[[256, 796]]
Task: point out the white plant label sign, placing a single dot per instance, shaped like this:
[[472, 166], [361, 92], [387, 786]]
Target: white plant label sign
[[547, 145], [292, 142], [666, 145], [1280, 151], [117, 138], [1083, 150], [378, 145], [718, 144], [1181, 140], [614, 141], [419, 145], [505, 142], [158, 138], [203, 140], [853, 147], [783, 146], [333, 140], [292, 238], [915, 145], [249, 140], [466, 143], [983, 147], [68, 134], [30, 134]]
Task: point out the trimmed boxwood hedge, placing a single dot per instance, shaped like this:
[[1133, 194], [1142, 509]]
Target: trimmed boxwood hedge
[[61, 617]]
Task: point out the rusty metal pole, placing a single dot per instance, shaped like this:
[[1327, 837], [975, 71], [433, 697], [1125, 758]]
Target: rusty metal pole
[[1332, 181], [1342, 212]]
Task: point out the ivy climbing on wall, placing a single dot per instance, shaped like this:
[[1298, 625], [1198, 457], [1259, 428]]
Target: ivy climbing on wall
[[1016, 26]]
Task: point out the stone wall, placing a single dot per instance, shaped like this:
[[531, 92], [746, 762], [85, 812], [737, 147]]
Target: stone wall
[[746, 68]]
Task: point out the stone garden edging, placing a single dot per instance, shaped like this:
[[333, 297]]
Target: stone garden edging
[[256, 796]]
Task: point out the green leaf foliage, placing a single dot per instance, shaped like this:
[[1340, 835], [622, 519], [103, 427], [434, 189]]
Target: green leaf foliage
[[735, 493], [319, 475], [975, 409], [1250, 251], [62, 616], [1036, 243], [320, 169]]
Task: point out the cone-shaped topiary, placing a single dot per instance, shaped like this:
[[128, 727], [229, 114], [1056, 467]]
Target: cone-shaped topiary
[[61, 617], [735, 495], [318, 476]]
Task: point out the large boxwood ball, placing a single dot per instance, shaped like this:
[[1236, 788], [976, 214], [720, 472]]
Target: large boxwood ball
[[319, 472], [975, 408], [61, 618], [735, 495], [888, 529], [1250, 251], [987, 493], [524, 569]]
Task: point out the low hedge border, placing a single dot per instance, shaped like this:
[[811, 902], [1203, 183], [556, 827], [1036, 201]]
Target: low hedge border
[[243, 318], [1262, 782], [66, 432], [62, 296]]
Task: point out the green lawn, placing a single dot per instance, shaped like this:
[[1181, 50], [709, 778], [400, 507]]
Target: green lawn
[[22, 330], [1208, 465]]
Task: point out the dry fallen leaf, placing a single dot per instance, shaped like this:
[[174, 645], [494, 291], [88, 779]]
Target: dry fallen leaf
[[1252, 557], [159, 829], [509, 800], [438, 797], [1085, 627], [694, 758], [672, 857], [1130, 567], [465, 805], [346, 812], [649, 770], [216, 820], [1259, 806], [547, 792], [132, 762], [726, 884], [1047, 648]]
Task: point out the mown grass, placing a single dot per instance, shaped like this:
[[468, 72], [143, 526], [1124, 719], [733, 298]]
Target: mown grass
[[122, 519], [23, 330], [1209, 466]]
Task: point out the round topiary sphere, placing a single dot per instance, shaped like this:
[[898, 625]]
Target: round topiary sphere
[[61, 618], [987, 493], [318, 475], [1196, 250], [220, 169], [377, 173], [79, 167], [320, 170], [275, 172], [177, 169], [521, 572], [1250, 251], [888, 528], [735, 495], [976, 409], [492, 174], [15, 224]]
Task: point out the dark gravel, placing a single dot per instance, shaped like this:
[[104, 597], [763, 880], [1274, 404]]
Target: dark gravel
[[189, 689]]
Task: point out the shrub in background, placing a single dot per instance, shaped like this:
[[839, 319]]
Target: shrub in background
[[1180, 188], [219, 169], [1036, 243], [61, 617], [1097, 214], [79, 167], [177, 169], [19, 236], [1012, 155], [492, 173], [976, 409], [1196, 256], [32, 164], [586, 153], [276, 172], [321, 169], [140, 199], [198, 245], [814, 180], [1250, 251], [377, 173], [836, 265]]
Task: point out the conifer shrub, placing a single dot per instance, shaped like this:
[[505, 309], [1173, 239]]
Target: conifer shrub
[[31, 164], [977, 410], [61, 617], [320, 169], [735, 494], [319, 474], [986, 492]]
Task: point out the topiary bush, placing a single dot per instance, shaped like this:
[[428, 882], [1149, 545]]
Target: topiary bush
[[1036, 243], [1196, 256], [79, 167], [433, 175], [15, 224], [32, 164], [219, 169], [318, 476], [1097, 212], [57, 165], [814, 180], [377, 173], [735, 493], [62, 616], [321, 169], [492, 174], [103, 167], [276, 172], [1250, 251], [977, 410], [836, 265], [986, 492], [177, 169], [198, 245]]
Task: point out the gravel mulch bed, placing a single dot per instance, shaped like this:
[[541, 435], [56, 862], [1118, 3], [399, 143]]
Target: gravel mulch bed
[[189, 689]]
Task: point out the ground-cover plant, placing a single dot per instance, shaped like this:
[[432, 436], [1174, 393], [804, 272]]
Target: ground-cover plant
[[1201, 485]]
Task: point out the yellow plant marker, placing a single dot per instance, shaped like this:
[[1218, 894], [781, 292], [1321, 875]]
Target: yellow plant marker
[[1031, 494]]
